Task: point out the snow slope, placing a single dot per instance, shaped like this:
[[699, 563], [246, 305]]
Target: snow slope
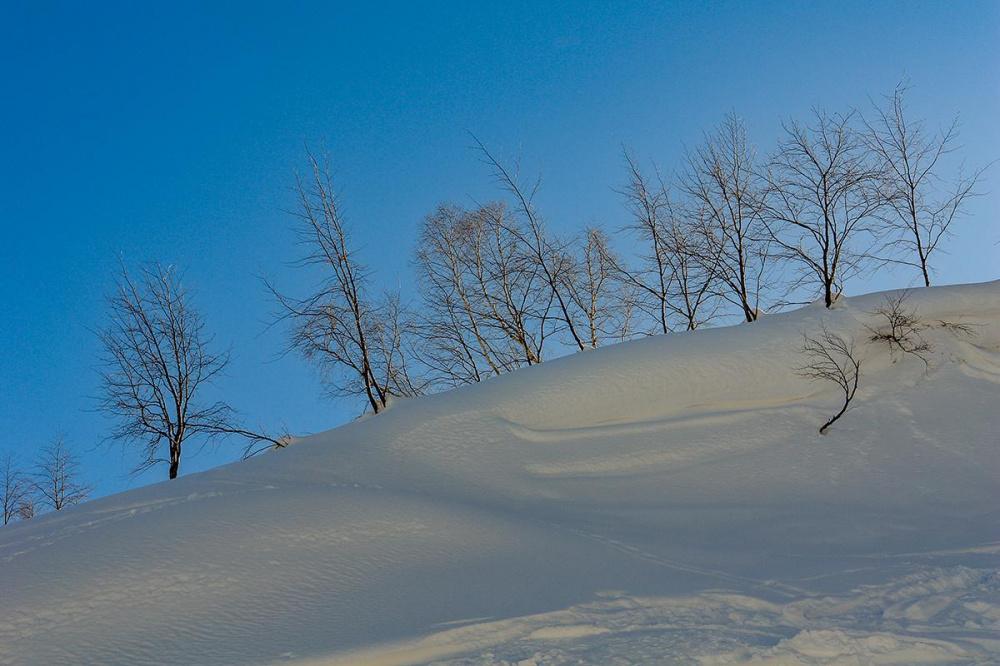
[[667, 500]]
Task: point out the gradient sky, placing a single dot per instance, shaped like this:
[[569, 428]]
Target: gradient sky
[[171, 132]]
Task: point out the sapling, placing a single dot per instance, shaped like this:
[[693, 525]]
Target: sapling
[[832, 358]]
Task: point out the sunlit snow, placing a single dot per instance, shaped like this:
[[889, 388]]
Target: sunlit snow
[[668, 500]]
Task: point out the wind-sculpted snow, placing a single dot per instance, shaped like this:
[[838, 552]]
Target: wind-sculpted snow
[[886, 623], [668, 500]]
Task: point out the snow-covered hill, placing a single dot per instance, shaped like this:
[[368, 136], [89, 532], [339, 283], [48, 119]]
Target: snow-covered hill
[[662, 501]]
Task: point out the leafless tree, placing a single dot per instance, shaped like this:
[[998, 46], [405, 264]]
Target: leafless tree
[[695, 262], [341, 326], [56, 477], [677, 271], [156, 364], [721, 178], [651, 211], [653, 279], [591, 284], [486, 307], [823, 196], [832, 358], [395, 337], [923, 207], [550, 256], [899, 327], [15, 488]]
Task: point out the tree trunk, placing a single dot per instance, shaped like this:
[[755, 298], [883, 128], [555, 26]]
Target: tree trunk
[[175, 460]]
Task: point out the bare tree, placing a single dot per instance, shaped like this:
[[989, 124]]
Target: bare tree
[[695, 263], [595, 292], [677, 271], [516, 298], [340, 326], [457, 349], [735, 246], [923, 206], [15, 488], [823, 197], [156, 365], [395, 337], [899, 327], [650, 207], [651, 210], [486, 307], [56, 477], [832, 358], [550, 256]]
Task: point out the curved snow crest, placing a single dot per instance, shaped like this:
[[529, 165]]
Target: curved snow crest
[[684, 471], [726, 367]]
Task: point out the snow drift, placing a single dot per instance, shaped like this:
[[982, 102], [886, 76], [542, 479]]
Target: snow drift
[[661, 501]]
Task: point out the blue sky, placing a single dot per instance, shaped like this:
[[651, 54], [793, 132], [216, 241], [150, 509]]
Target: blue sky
[[172, 131]]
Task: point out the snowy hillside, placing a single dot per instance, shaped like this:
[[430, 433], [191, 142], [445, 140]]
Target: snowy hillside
[[662, 501]]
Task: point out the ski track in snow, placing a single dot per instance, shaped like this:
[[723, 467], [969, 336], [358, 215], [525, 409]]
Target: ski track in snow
[[657, 502]]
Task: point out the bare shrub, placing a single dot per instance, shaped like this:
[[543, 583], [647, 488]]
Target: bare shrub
[[26, 510], [959, 329], [256, 447], [899, 327], [832, 358]]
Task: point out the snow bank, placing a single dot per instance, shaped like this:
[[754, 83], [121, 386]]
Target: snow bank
[[664, 500]]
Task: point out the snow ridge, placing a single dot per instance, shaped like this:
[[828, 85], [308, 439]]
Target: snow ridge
[[668, 500]]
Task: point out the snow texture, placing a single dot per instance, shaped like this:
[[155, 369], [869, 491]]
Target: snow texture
[[668, 500]]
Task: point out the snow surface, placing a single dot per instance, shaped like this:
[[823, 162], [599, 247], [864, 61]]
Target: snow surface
[[667, 500]]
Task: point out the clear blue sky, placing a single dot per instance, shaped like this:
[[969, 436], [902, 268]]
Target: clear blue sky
[[170, 132]]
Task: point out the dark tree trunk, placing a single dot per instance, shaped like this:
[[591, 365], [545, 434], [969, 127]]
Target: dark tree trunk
[[175, 460]]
